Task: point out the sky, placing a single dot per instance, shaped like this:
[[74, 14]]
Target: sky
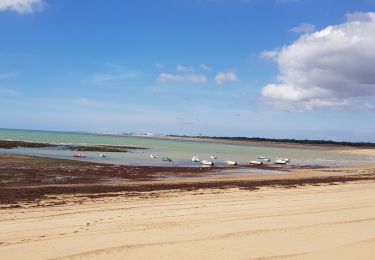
[[256, 68]]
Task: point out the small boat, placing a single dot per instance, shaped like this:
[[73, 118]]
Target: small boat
[[286, 159], [195, 158], [79, 155], [153, 156], [206, 162], [230, 162], [280, 161], [255, 162], [167, 159], [264, 158], [102, 155], [213, 157]]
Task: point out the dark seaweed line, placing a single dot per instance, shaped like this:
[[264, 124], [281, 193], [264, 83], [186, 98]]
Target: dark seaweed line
[[12, 195]]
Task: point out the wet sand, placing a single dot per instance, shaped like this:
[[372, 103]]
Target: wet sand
[[126, 212]]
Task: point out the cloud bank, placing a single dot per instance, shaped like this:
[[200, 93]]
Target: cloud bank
[[331, 68], [21, 6]]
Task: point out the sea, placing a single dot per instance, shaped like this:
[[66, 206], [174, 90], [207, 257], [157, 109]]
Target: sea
[[180, 151]]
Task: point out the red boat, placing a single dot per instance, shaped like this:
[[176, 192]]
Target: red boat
[[79, 155]]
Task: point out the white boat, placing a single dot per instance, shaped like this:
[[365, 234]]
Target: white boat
[[206, 162], [102, 155], [167, 159], [280, 161], [153, 156], [213, 157], [286, 159], [265, 159], [255, 162], [230, 162], [195, 158]]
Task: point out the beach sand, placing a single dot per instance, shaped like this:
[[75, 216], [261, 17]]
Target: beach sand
[[310, 222]]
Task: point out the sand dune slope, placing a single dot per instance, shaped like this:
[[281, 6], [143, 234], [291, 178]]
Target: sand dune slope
[[314, 222]]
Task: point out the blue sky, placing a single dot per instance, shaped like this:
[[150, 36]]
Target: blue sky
[[212, 67]]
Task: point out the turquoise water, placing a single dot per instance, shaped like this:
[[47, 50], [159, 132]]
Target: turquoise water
[[180, 151]]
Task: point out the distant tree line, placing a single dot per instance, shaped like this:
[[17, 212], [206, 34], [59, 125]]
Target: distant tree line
[[284, 140]]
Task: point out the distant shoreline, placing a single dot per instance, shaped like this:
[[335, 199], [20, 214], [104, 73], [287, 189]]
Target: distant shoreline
[[264, 142], [283, 141]]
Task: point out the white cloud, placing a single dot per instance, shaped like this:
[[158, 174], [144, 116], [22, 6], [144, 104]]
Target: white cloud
[[205, 67], [165, 77], [272, 55], [21, 6], [158, 65], [221, 77], [303, 28], [331, 68], [182, 68]]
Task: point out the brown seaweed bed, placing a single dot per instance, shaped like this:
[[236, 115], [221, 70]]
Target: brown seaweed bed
[[8, 144]]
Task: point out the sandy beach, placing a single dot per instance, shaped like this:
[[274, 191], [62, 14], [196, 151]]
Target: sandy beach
[[313, 222]]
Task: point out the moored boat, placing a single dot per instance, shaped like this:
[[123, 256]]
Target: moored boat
[[195, 158], [213, 157], [255, 162], [231, 162], [167, 159], [153, 156], [263, 158], [280, 161], [207, 162], [102, 155], [79, 155]]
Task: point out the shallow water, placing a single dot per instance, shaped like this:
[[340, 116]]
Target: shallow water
[[180, 151]]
